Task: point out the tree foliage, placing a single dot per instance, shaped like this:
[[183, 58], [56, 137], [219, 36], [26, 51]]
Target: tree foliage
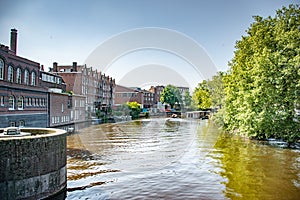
[[201, 96], [187, 100], [171, 95], [135, 109], [263, 83], [216, 90]]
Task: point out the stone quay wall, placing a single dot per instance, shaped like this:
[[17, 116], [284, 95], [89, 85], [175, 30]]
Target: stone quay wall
[[33, 167]]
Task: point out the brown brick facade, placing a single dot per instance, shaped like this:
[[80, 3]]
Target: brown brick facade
[[124, 94]]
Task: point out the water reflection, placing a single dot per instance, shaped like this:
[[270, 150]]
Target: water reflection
[[176, 159], [256, 171]]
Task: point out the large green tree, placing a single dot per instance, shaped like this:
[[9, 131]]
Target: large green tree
[[171, 95], [263, 83], [201, 96], [216, 90]]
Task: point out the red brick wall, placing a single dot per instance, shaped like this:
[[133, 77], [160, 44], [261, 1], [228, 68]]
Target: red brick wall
[[124, 94], [59, 111]]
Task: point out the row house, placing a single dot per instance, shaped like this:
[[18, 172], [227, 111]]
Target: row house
[[95, 86], [148, 99], [107, 93], [157, 90]]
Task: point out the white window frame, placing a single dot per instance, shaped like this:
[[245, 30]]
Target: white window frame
[[20, 103], [26, 77], [10, 74], [19, 75], [33, 79], [11, 103]]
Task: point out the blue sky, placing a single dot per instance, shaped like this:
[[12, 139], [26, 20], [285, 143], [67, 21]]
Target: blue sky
[[66, 31]]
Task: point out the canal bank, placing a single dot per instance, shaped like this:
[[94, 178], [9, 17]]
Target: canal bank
[[177, 159]]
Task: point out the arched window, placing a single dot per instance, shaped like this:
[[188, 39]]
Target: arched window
[[10, 75], [26, 77], [19, 75], [33, 76], [11, 103], [20, 103], [1, 69]]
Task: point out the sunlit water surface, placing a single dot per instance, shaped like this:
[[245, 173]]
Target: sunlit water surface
[[177, 159]]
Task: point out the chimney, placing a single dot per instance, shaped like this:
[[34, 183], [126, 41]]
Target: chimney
[[55, 67], [13, 40], [42, 67], [75, 66]]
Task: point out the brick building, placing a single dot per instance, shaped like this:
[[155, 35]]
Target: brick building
[[148, 99], [23, 102], [49, 80], [65, 108], [83, 80], [124, 94], [157, 90], [31, 97]]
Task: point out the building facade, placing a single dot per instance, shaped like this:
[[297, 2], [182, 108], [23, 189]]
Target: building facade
[[125, 94], [157, 90], [65, 109], [149, 100], [95, 86], [31, 97], [23, 102], [49, 80]]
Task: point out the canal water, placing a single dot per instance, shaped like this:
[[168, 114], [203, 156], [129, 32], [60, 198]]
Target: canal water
[[177, 159]]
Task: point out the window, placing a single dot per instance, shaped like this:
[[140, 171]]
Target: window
[[33, 76], [19, 74], [2, 101], [62, 107], [26, 77], [12, 124], [20, 103], [1, 69], [11, 103], [10, 75]]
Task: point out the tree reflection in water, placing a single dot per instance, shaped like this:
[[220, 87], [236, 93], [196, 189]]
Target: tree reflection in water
[[254, 170]]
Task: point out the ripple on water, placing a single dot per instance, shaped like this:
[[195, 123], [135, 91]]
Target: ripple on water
[[176, 159]]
